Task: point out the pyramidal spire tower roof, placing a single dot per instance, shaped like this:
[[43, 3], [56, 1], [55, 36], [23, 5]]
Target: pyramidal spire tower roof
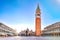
[[38, 7]]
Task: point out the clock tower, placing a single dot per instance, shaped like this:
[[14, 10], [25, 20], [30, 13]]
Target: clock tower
[[38, 22]]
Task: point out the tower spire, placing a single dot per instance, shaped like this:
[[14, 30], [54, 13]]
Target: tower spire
[[38, 7]]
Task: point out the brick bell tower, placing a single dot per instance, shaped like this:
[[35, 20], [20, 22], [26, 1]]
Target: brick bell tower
[[38, 22]]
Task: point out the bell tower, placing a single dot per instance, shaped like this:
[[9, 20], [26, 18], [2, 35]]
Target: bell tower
[[38, 21]]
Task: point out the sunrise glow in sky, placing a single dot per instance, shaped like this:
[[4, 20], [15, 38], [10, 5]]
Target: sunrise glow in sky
[[20, 14]]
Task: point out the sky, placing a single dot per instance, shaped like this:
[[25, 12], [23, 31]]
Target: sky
[[20, 14]]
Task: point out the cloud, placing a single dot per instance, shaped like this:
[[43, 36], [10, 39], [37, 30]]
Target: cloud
[[20, 27], [58, 1]]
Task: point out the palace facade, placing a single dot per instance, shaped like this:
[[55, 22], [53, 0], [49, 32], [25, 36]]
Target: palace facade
[[6, 31], [52, 30]]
